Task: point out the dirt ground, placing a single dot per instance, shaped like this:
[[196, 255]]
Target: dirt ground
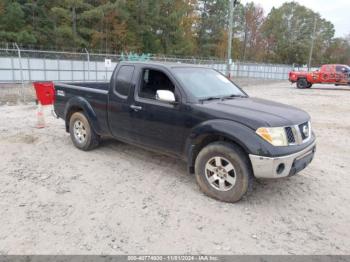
[[119, 199]]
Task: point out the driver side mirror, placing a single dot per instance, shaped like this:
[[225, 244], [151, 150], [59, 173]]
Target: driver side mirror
[[165, 96]]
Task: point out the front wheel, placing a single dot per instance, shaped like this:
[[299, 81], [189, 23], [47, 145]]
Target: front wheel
[[82, 134], [223, 172], [303, 83]]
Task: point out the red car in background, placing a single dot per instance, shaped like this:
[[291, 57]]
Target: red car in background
[[328, 74]]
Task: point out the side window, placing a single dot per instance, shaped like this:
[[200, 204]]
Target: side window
[[339, 69], [342, 69], [123, 80], [153, 80]]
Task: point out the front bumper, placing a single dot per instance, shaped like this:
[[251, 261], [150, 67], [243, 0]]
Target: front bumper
[[276, 167]]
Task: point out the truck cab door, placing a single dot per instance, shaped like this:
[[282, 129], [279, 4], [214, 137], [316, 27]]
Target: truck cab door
[[158, 124], [120, 94], [342, 74]]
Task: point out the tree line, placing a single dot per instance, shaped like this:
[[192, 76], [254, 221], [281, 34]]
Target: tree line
[[174, 27]]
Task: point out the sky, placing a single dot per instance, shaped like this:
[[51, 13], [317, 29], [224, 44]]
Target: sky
[[335, 11]]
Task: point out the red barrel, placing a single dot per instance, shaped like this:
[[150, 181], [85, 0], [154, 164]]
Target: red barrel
[[45, 92]]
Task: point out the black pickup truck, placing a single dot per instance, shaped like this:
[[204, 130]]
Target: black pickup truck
[[193, 113]]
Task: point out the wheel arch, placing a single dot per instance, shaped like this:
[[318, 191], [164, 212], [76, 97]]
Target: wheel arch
[[301, 77], [79, 104], [234, 133]]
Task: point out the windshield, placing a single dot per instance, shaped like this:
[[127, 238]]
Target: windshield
[[205, 83]]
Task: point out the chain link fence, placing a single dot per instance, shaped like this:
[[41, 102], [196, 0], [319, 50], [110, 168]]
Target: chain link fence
[[24, 66]]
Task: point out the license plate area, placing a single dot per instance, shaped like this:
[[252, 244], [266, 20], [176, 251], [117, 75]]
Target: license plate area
[[301, 162]]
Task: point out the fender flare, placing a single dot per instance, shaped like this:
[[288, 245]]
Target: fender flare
[[238, 133], [78, 102]]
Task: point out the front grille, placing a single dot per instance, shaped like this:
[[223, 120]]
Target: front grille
[[304, 130], [290, 135], [298, 134]]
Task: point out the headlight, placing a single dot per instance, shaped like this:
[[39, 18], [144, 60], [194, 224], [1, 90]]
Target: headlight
[[274, 135]]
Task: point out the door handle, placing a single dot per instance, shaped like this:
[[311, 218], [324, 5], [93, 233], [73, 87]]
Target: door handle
[[136, 108]]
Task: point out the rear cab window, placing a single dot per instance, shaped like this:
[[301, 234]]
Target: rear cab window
[[123, 80], [325, 68]]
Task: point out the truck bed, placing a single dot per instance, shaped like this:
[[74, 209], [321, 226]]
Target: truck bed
[[90, 94], [93, 85]]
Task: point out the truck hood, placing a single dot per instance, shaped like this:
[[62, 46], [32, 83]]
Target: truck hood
[[255, 112]]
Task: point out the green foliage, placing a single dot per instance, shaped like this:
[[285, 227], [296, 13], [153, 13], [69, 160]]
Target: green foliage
[[173, 27], [25, 37], [289, 31], [338, 51], [12, 24], [212, 25], [12, 19]]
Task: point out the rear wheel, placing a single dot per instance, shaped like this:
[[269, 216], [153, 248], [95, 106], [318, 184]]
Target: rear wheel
[[81, 132], [223, 172]]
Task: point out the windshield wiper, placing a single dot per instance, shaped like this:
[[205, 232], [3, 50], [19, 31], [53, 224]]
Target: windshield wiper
[[233, 96], [220, 97], [210, 98]]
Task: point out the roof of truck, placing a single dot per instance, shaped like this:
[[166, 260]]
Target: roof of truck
[[164, 64], [335, 65]]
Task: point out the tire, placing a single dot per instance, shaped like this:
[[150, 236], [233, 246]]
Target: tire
[[309, 85], [81, 133], [210, 172], [302, 83]]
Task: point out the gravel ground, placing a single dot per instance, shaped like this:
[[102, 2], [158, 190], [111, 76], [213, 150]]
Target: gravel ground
[[119, 199]]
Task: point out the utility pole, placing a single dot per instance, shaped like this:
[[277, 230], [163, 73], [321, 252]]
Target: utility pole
[[21, 71], [312, 45], [232, 3]]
